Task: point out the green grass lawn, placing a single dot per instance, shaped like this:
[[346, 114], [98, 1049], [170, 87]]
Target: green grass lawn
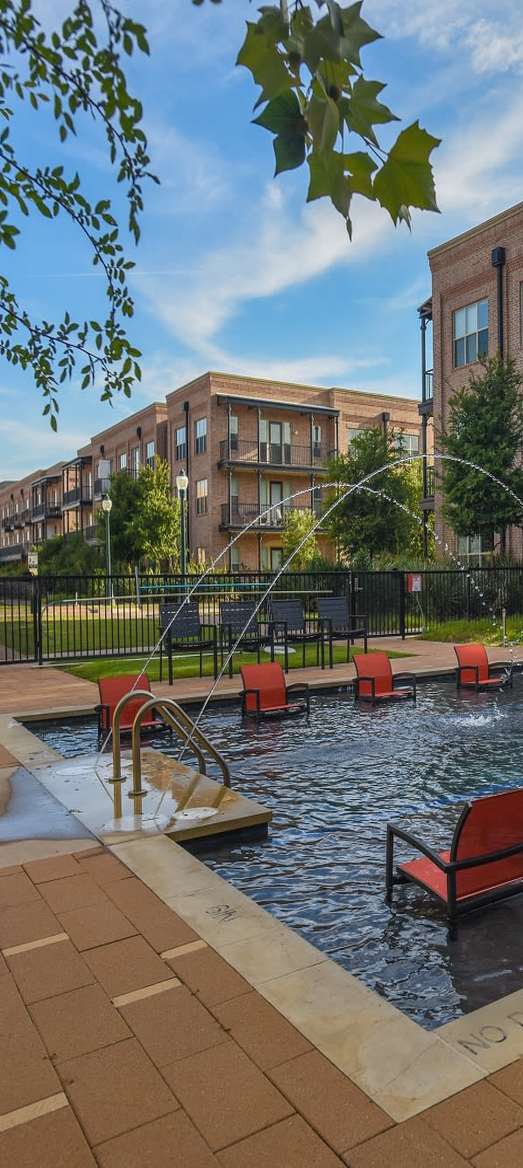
[[189, 666], [483, 629]]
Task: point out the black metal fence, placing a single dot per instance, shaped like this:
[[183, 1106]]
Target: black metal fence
[[70, 617]]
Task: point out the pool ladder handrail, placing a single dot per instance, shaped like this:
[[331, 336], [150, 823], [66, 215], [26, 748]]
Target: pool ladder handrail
[[179, 720]]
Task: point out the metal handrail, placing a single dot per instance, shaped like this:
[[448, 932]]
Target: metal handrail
[[179, 720]]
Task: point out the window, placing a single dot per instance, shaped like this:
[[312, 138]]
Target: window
[[200, 436], [181, 443], [233, 431], [470, 333], [202, 491], [275, 442], [475, 549], [135, 460], [149, 453], [200, 556], [354, 432], [235, 558], [122, 460], [407, 443], [316, 441]]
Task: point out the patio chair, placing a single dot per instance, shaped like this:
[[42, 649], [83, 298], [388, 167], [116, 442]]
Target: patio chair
[[111, 690], [288, 623], [187, 632], [240, 617], [476, 672], [375, 681], [340, 624], [266, 693], [484, 863]]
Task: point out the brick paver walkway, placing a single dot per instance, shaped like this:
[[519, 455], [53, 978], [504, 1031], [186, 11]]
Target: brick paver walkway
[[128, 1042]]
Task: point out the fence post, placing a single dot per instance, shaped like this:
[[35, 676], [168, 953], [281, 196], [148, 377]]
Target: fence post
[[37, 620], [469, 587], [401, 582]]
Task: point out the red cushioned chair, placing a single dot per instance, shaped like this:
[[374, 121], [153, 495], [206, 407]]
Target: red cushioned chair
[[266, 693], [485, 861], [375, 682], [111, 690], [476, 672]]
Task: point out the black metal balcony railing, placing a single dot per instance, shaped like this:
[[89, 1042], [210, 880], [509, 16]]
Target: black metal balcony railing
[[89, 533], [428, 385], [17, 520], [239, 514], [8, 523], [101, 487], [78, 495], [275, 454], [46, 511], [13, 552], [26, 515]]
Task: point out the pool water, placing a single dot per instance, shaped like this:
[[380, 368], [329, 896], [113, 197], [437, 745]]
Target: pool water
[[333, 784]]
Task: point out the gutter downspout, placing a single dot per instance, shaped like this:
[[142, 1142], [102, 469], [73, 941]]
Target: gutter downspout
[[498, 261]]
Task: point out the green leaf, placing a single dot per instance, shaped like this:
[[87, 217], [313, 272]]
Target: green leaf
[[272, 24], [406, 179], [357, 32], [260, 55], [289, 152], [322, 42], [282, 115], [361, 167], [362, 110], [324, 121], [327, 178]]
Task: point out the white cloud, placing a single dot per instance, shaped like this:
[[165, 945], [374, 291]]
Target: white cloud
[[194, 178], [20, 440], [487, 34]]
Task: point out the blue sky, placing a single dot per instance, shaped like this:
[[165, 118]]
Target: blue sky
[[234, 272]]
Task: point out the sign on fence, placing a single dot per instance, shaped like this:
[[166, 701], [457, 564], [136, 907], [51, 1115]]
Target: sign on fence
[[414, 582], [32, 563]]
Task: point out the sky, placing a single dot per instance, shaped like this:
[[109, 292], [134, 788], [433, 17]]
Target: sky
[[234, 271]]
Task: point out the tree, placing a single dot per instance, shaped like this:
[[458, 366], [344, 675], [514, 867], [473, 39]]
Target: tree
[[296, 526], [124, 494], [145, 519], [75, 69], [155, 525], [367, 523], [322, 110], [317, 104], [69, 557], [485, 427]]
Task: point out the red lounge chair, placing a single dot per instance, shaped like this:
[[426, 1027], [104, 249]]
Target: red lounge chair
[[111, 690], [475, 672], [266, 693], [375, 682], [485, 861]]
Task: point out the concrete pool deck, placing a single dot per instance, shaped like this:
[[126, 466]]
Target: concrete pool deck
[[156, 1015]]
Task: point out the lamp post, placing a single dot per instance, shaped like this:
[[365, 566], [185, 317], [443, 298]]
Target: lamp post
[[182, 483], [107, 505]]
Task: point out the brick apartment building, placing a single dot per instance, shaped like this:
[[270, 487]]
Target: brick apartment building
[[476, 308], [245, 444]]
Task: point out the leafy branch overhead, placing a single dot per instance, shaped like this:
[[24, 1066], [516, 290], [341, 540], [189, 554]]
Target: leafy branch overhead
[[74, 70], [323, 111]]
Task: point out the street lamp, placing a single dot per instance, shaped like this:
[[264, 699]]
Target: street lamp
[[107, 505], [182, 483]]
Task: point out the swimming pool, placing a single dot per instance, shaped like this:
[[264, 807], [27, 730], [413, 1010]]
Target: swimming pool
[[332, 785]]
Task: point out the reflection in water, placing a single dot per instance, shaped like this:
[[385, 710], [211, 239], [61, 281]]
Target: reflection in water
[[333, 784]]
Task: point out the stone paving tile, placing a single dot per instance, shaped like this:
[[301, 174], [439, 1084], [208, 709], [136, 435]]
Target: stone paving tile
[[412, 1144], [114, 1090], [172, 1025], [160, 926], [16, 889], [51, 1141], [225, 1094], [170, 1142], [22, 923], [56, 867], [289, 1144], [126, 965], [104, 868], [78, 1022], [510, 1081], [4, 968], [474, 1119], [508, 1153], [53, 969], [24, 1079], [96, 851], [96, 924], [209, 976], [261, 1030], [342, 1114], [72, 892], [19, 1035]]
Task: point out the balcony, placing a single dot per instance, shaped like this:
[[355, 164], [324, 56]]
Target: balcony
[[78, 495], [26, 516], [89, 533], [101, 488], [283, 455], [46, 511], [16, 551], [8, 523], [17, 520], [426, 405], [236, 516], [427, 502]]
